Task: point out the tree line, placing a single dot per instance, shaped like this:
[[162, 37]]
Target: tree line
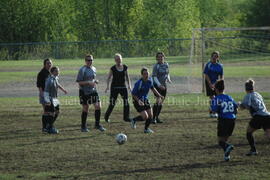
[[86, 20]]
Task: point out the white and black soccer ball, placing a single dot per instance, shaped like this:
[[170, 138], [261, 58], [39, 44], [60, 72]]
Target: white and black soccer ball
[[121, 138]]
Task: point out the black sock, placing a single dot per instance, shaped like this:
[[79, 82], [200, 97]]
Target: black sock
[[159, 110], [147, 123], [83, 118], [55, 117], [97, 117], [155, 110], [223, 145], [44, 123], [251, 141], [49, 119], [138, 118]]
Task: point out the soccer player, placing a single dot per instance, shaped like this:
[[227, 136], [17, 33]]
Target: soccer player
[[119, 72], [51, 101], [88, 94], [41, 78], [213, 71], [160, 76], [141, 102], [253, 101], [226, 108]]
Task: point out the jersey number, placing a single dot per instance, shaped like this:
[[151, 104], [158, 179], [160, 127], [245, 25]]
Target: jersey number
[[227, 106]]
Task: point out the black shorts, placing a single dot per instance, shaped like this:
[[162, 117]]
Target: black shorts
[[51, 108], [141, 108], [209, 91], [161, 92], [258, 122], [225, 127], [89, 98]]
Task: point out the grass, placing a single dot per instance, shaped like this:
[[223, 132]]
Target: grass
[[26, 70], [184, 147]]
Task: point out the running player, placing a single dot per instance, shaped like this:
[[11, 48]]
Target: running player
[[119, 72], [141, 102], [226, 108], [213, 71], [88, 94], [41, 78], [51, 101], [160, 76], [253, 101]]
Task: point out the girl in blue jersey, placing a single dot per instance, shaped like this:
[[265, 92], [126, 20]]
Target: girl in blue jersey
[[226, 108], [141, 102], [213, 71]]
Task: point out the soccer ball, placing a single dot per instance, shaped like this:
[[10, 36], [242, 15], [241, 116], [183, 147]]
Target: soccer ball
[[121, 138]]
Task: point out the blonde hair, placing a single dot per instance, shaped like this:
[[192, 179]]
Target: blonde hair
[[118, 55]]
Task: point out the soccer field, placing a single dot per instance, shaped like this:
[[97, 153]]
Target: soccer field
[[183, 147]]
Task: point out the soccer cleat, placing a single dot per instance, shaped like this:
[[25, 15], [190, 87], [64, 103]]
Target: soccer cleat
[[107, 120], [100, 128], [252, 153], [127, 120], [213, 115], [148, 131], [53, 131], [158, 120], [44, 130], [227, 152], [133, 124], [84, 129]]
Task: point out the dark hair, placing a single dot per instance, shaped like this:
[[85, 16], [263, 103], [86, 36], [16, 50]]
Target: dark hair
[[219, 85], [160, 53], [143, 69], [45, 61], [249, 85], [215, 52], [53, 69], [88, 55]]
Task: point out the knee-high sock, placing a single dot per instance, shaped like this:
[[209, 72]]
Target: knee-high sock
[[97, 117], [159, 110], [155, 111], [251, 141], [223, 145], [55, 117], [50, 120], [147, 123], [44, 121], [83, 118]]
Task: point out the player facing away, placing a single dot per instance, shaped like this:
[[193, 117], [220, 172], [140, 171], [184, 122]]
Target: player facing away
[[160, 76], [51, 102], [119, 74], [41, 78], [253, 101], [141, 102], [226, 108], [213, 71], [88, 94]]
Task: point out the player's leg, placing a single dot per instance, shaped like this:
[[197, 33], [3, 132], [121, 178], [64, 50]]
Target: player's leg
[[148, 121], [211, 94], [50, 111], [113, 98], [251, 141], [160, 105], [85, 108], [43, 119], [97, 106], [124, 95], [142, 117]]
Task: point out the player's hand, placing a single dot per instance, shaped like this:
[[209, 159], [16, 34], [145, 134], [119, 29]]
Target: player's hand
[[140, 103], [96, 81], [162, 87], [169, 81], [129, 88], [65, 91], [212, 86], [106, 89]]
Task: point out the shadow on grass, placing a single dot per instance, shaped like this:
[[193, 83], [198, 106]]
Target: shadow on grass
[[173, 169]]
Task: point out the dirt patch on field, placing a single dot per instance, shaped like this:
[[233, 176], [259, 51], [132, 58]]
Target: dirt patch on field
[[180, 85]]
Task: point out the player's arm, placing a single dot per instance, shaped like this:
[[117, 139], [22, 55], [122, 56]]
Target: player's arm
[[155, 79], [157, 93], [208, 81], [62, 88], [128, 80], [39, 85], [108, 80]]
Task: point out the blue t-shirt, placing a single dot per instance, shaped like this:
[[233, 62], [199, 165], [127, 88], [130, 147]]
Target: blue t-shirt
[[141, 88], [225, 106], [213, 70]]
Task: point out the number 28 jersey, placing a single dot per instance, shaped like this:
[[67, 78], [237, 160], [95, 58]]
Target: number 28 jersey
[[225, 106]]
